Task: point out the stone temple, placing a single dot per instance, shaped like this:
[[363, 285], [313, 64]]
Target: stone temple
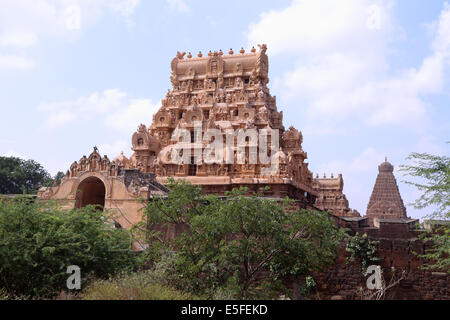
[[385, 201], [225, 94], [220, 108]]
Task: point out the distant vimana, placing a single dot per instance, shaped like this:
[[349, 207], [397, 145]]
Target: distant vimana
[[222, 100]]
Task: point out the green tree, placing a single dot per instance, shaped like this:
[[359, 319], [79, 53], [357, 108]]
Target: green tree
[[38, 241], [238, 241], [58, 177], [19, 176], [433, 173]]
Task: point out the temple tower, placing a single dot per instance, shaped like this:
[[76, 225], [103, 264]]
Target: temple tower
[[385, 201], [218, 126], [210, 129]]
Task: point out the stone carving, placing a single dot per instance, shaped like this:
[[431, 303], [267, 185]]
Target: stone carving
[[221, 92], [105, 163], [94, 160], [45, 193], [83, 163], [331, 197]]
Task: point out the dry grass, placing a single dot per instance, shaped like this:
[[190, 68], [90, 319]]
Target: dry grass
[[136, 286]]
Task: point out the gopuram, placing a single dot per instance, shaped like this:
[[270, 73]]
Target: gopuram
[[219, 127]]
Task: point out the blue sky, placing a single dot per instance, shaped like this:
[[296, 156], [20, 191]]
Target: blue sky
[[361, 79]]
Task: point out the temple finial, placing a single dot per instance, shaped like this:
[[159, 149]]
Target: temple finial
[[385, 158]]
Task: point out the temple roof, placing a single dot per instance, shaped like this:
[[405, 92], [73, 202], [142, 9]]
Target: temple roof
[[218, 64], [386, 166]]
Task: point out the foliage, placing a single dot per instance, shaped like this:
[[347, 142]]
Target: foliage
[[134, 286], [19, 176], [310, 285], [435, 171], [363, 249], [239, 241], [438, 254], [38, 241], [56, 179]]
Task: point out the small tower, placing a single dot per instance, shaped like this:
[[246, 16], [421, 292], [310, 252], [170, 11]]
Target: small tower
[[385, 201]]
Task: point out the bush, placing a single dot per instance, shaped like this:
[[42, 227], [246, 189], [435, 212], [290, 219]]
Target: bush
[[239, 245], [363, 249], [39, 241], [135, 286]]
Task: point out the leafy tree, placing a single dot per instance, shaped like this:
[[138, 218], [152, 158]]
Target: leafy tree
[[58, 177], [238, 241], [434, 173], [38, 241], [19, 176]]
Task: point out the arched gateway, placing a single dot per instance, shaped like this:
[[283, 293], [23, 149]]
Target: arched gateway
[[91, 191], [95, 180]]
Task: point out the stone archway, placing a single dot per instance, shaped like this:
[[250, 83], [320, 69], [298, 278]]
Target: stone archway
[[91, 191]]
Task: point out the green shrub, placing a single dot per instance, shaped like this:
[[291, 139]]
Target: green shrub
[[363, 249], [38, 241], [135, 286], [233, 245]]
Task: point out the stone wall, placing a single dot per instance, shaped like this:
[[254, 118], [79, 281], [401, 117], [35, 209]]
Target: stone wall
[[397, 244]]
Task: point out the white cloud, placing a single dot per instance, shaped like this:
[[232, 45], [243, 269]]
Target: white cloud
[[16, 62], [60, 118], [178, 6], [114, 106], [24, 22], [307, 26], [342, 49], [18, 39], [14, 153], [441, 42], [72, 16], [429, 144], [95, 103], [136, 112], [114, 149], [124, 7], [364, 162]]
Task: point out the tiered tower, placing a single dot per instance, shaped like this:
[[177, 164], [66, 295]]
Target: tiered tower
[[385, 201], [226, 93]]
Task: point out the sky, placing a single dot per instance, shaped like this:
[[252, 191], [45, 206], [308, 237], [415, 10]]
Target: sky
[[362, 79]]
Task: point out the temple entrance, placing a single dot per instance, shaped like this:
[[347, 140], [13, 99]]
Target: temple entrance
[[91, 191]]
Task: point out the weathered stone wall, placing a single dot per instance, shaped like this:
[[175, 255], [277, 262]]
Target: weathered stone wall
[[397, 247], [342, 281]]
